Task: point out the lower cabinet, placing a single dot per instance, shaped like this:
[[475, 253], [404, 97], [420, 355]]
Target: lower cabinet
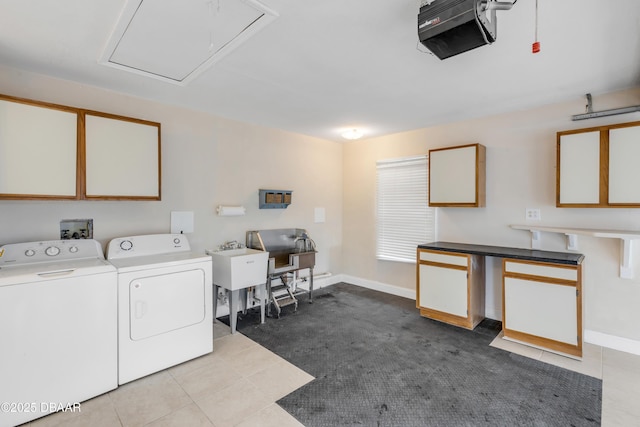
[[450, 287], [542, 305]]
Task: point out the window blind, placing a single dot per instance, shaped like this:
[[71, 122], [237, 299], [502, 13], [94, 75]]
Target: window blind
[[404, 218]]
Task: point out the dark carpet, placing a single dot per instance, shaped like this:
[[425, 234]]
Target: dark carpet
[[377, 362]]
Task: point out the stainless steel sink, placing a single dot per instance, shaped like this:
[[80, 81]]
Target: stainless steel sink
[[290, 250]]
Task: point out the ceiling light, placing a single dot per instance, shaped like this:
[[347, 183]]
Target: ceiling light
[[352, 134]]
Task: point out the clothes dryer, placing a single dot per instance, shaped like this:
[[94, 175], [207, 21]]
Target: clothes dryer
[[164, 303]]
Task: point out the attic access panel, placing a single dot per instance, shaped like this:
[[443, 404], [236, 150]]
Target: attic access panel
[[176, 40]]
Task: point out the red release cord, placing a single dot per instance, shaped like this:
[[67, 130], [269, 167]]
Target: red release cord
[[535, 47]]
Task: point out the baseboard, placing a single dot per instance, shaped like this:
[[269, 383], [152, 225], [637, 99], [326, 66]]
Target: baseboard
[[612, 341], [378, 286], [327, 279]]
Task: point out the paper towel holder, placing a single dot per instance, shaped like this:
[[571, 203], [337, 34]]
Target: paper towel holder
[[231, 210]]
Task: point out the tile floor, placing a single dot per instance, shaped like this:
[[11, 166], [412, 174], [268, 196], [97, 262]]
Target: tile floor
[[206, 390], [236, 385], [619, 372]]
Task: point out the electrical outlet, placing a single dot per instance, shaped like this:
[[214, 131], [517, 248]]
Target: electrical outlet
[[532, 214]]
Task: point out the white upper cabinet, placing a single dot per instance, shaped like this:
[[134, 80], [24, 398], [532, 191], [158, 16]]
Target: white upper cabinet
[[122, 157], [50, 151], [598, 167], [624, 165], [457, 176], [38, 151], [579, 160]]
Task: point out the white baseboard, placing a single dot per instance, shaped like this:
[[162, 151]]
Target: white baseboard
[[378, 286], [611, 341], [323, 280], [593, 337]]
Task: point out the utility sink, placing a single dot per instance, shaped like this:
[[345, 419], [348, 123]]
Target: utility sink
[[236, 269]]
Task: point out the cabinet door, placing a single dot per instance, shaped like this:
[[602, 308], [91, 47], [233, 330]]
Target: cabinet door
[[541, 309], [444, 289], [542, 305], [624, 173], [579, 169], [38, 151], [457, 176], [122, 158]]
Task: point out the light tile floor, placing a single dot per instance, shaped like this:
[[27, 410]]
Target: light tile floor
[[236, 385], [239, 383], [619, 372]]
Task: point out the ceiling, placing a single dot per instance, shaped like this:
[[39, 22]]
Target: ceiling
[[322, 67]]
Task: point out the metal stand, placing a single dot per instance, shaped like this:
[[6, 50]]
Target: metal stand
[[285, 293]]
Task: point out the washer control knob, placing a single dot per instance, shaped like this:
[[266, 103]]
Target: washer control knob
[[52, 251], [176, 240], [29, 252], [73, 249], [126, 245]]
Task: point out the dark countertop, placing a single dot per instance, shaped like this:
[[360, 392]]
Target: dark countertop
[[506, 252]]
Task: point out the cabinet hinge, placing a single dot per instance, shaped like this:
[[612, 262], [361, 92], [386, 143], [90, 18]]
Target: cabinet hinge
[[577, 293]]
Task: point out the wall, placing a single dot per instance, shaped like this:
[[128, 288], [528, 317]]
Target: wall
[[521, 150], [206, 161]]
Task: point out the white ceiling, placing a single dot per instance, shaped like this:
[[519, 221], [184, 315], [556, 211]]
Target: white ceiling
[[325, 66]]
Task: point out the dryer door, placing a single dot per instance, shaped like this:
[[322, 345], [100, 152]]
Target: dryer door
[[166, 302]]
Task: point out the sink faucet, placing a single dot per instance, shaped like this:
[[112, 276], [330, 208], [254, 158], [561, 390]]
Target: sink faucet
[[233, 244]]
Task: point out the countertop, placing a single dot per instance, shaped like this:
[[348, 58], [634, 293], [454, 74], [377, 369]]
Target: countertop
[[569, 258]]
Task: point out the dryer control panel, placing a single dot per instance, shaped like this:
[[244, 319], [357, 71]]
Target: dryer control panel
[[151, 244]]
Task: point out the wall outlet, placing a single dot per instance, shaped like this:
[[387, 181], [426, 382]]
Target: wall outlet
[[532, 214]]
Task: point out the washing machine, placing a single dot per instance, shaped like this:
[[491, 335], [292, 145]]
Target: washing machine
[[164, 303], [58, 327]]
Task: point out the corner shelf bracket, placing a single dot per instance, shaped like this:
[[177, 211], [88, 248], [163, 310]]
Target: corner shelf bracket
[[626, 237]]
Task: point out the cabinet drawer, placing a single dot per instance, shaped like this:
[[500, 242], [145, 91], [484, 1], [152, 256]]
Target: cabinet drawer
[[541, 270], [444, 258]]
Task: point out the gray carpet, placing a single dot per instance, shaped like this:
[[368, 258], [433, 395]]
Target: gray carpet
[[378, 363]]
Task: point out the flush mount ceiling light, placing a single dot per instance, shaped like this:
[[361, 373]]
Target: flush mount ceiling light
[[176, 40], [352, 134]]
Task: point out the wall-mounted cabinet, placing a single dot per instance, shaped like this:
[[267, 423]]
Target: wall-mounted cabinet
[[274, 199], [38, 151], [597, 167], [457, 176], [50, 151], [122, 157]]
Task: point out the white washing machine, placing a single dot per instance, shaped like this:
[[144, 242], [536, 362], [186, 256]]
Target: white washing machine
[[164, 303], [58, 327]]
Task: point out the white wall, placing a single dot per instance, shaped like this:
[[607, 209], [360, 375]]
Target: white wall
[[521, 150], [206, 161]]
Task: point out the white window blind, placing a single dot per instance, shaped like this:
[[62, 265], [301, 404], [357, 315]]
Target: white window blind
[[404, 218]]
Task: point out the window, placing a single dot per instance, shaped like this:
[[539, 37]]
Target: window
[[404, 218]]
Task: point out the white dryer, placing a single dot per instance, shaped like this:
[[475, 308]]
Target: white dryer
[[164, 303], [58, 327]]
